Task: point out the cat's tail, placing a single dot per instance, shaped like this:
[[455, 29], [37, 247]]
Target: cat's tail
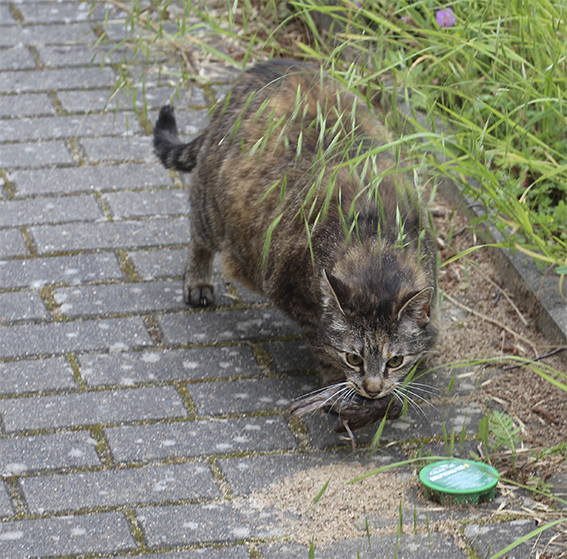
[[172, 152]]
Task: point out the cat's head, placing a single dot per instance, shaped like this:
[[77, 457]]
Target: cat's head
[[377, 322]]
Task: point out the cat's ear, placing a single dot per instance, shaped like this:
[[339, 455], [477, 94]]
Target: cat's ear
[[335, 290], [418, 308]]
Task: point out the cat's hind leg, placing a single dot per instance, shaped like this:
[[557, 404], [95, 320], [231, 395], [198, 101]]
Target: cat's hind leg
[[198, 280]]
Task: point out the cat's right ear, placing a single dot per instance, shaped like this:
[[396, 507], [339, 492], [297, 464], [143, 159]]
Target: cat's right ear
[[334, 290]]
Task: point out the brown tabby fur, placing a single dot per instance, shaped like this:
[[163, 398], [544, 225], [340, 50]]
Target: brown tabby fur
[[344, 250]]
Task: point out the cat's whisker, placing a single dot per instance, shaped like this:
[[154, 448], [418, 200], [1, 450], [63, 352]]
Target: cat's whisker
[[316, 391], [425, 388], [333, 398]]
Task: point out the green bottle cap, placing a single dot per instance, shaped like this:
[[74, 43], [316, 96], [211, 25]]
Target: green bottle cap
[[459, 482]]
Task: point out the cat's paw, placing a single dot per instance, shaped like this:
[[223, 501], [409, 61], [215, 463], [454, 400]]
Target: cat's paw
[[198, 295]]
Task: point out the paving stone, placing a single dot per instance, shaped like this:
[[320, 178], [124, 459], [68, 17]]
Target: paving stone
[[147, 203], [118, 149], [47, 80], [237, 325], [38, 375], [39, 272], [229, 552], [129, 369], [256, 473], [292, 356], [74, 126], [16, 58], [114, 299], [49, 210], [42, 453], [167, 263], [55, 12], [145, 485], [40, 154], [146, 97], [192, 524], [488, 539], [248, 396], [6, 17], [69, 535], [407, 546], [199, 438], [55, 34], [89, 179], [12, 243], [71, 410], [58, 56], [6, 508], [123, 234], [26, 104], [21, 305], [153, 264], [119, 334]]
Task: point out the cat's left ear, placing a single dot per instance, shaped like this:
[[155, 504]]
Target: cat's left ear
[[418, 308], [334, 289]]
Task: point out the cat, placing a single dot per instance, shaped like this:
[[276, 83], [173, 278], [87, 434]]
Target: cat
[[295, 185]]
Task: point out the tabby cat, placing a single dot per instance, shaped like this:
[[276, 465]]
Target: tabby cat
[[295, 185]]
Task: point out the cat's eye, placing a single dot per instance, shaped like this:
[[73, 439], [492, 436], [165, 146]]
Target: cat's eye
[[354, 359], [395, 362]]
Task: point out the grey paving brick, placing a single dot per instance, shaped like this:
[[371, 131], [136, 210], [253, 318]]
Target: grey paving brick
[[6, 16], [21, 377], [47, 80], [136, 148], [228, 552], [74, 126], [58, 56], [147, 203], [199, 438], [42, 453], [57, 34], [198, 327], [152, 264], [129, 369], [49, 210], [39, 272], [145, 485], [69, 410], [122, 234], [40, 154], [256, 473], [154, 98], [16, 58], [192, 524], [89, 179], [21, 305], [113, 299], [12, 243], [247, 396], [96, 533], [288, 357], [405, 546], [54, 12], [6, 508], [26, 104], [117, 334]]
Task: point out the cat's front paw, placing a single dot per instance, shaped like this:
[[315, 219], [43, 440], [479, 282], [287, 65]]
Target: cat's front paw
[[198, 295]]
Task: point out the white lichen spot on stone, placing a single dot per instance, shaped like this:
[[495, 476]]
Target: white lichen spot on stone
[[151, 357]]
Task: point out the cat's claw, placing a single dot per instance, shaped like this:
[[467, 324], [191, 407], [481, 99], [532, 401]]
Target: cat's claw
[[199, 295]]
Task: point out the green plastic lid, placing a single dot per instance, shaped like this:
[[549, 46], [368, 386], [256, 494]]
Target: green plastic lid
[[459, 482]]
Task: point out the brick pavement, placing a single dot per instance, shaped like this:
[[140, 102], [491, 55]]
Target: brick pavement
[[132, 426]]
